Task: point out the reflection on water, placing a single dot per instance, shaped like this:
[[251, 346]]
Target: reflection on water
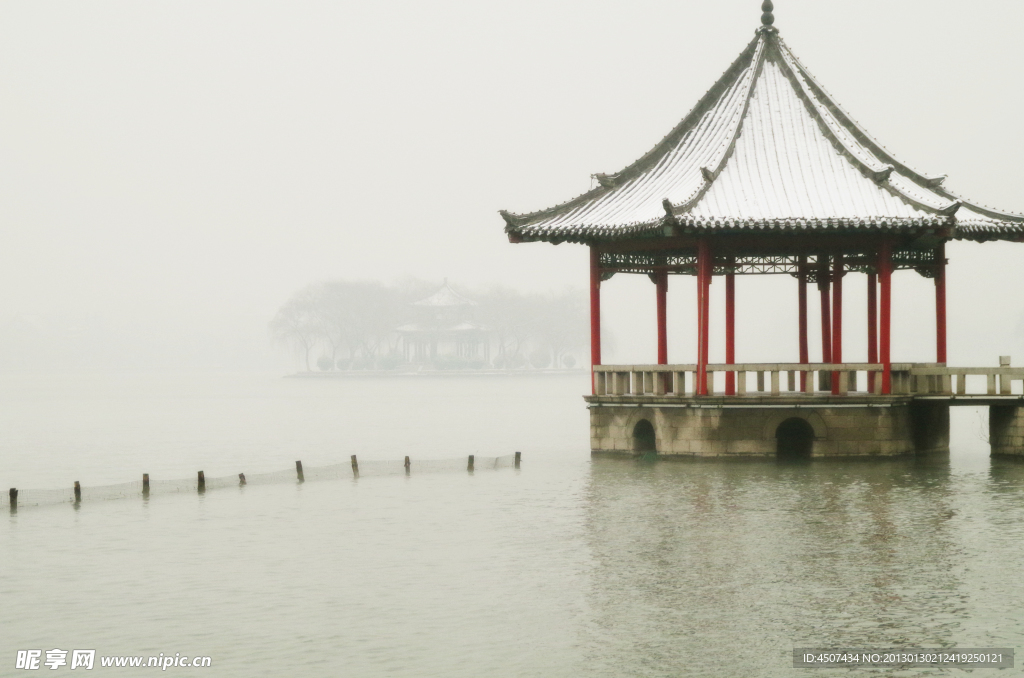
[[725, 567], [568, 567]]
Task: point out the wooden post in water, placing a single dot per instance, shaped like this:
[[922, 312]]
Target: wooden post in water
[[145, 484], [407, 465], [298, 471], [13, 494], [241, 479], [202, 482], [519, 456], [355, 466], [78, 492], [470, 467]]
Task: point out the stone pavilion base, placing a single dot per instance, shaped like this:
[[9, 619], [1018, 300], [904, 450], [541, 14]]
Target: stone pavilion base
[[800, 425]]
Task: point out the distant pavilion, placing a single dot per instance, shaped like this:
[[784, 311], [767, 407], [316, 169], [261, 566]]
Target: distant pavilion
[[444, 328], [768, 175]]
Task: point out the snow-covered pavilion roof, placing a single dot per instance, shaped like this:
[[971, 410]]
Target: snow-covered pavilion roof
[[445, 297], [766, 149]]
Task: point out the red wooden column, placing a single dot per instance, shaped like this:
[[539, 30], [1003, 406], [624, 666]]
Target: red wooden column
[[872, 327], [700, 316], [661, 283], [824, 277], [885, 312], [703, 311], [804, 357], [709, 272], [730, 327], [940, 303], [595, 314], [837, 317]]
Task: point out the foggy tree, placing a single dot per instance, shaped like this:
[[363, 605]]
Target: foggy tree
[[563, 324], [509, 315], [554, 323], [362, 316], [296, 323]]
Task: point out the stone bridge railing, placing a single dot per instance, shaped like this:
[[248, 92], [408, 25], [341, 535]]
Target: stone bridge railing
[[939, 380], [776, 379]]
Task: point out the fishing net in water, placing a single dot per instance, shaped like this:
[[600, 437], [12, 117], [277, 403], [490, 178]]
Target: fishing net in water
[[369, 467]]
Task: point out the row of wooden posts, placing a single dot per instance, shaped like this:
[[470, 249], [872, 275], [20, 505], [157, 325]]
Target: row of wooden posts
[[13, 494]]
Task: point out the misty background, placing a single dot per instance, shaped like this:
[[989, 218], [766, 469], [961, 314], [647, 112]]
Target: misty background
[[413, 326], [171, 173]]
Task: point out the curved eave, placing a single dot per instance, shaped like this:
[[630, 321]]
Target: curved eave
[[1010, 219], [987, 232], [584, 234], [795, 226]]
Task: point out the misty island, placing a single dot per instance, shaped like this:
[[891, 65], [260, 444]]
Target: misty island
[[372, 329]]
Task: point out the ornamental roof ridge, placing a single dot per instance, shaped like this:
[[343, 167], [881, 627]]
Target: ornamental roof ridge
[[933, 183], [681, 128], [820, 106], [707, 173]]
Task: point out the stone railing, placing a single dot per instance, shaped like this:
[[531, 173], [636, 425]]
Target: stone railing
[[750, 378], [777, 379], [917, 379]]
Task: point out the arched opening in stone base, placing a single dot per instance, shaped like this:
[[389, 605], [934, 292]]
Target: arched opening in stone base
[[644, 441], [794, 438]]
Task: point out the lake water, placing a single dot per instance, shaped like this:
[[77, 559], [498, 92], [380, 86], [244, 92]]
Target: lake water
[[566, 567]]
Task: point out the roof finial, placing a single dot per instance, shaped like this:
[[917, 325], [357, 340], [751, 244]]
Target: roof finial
[[767, 18]]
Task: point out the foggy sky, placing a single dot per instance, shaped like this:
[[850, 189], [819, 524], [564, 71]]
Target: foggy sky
[[170, 172]]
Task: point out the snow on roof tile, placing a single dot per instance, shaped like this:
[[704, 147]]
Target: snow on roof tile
[[445, 297], [766, 148]]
